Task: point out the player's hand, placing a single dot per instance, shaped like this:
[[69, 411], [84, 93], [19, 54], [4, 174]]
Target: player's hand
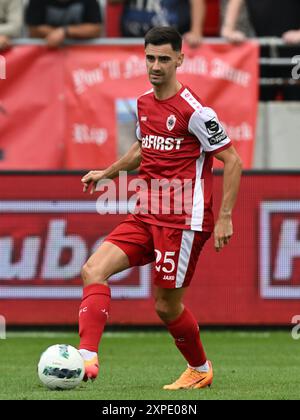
[[193, 39], [223, 232], [91, 179], [56, 38]]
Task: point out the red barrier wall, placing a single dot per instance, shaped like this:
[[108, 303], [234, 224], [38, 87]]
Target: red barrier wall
[[48, 227]]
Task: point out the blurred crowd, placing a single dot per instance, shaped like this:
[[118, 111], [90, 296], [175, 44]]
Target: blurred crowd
[[58, 20]]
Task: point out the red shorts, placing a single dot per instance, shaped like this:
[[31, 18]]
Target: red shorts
[[175, 251]]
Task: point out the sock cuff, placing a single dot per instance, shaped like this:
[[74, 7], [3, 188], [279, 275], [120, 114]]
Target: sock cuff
[[95, 289]]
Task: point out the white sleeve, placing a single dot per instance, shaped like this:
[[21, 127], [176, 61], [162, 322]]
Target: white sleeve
[[206, 127]]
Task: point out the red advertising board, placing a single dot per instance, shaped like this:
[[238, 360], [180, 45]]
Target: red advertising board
[[48, 228]]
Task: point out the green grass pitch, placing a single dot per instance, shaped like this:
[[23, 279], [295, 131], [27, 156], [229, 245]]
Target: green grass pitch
[[135, 366]]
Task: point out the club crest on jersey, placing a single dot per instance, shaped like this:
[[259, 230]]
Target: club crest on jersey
[[171, 121]]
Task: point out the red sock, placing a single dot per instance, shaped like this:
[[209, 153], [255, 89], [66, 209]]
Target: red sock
[[185, 331], [93, 315]]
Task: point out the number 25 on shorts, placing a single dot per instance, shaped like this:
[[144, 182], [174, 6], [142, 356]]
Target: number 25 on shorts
[[165, 262]]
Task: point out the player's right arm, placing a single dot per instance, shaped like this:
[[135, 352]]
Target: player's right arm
[[128, 162]]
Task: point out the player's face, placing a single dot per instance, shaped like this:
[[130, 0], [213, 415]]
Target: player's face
[[162, 62]]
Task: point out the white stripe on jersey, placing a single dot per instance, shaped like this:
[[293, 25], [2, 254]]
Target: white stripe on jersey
[[190, 99], [184, 256], [198, 197]]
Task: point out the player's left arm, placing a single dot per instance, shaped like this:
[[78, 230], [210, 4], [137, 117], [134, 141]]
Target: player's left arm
[[231, 181]]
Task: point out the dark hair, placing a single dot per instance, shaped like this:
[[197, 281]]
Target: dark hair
[[161, 35]]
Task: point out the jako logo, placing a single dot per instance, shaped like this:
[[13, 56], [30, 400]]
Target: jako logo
[[2, 67], [296, 329]]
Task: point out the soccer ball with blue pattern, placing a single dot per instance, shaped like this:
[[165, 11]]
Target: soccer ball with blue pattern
[[61, 367]]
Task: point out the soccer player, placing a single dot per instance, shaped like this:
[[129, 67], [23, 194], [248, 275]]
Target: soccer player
[[177, 139]]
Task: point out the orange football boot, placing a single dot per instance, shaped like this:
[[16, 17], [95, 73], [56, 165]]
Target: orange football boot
[[91, 369], [191, 378]]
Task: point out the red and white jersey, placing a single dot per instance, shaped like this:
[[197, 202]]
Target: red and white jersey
[[179, 136]]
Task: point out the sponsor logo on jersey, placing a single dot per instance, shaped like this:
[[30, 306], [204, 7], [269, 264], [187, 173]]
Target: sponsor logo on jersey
[[161, 143], [171, 121]]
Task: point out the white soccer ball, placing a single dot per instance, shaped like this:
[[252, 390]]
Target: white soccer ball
[[61, 367]]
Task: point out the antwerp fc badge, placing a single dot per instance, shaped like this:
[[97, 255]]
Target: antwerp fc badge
[[171, 121]]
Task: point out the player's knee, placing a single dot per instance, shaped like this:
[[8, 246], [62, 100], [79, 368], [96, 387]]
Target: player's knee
[[90, 274]]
